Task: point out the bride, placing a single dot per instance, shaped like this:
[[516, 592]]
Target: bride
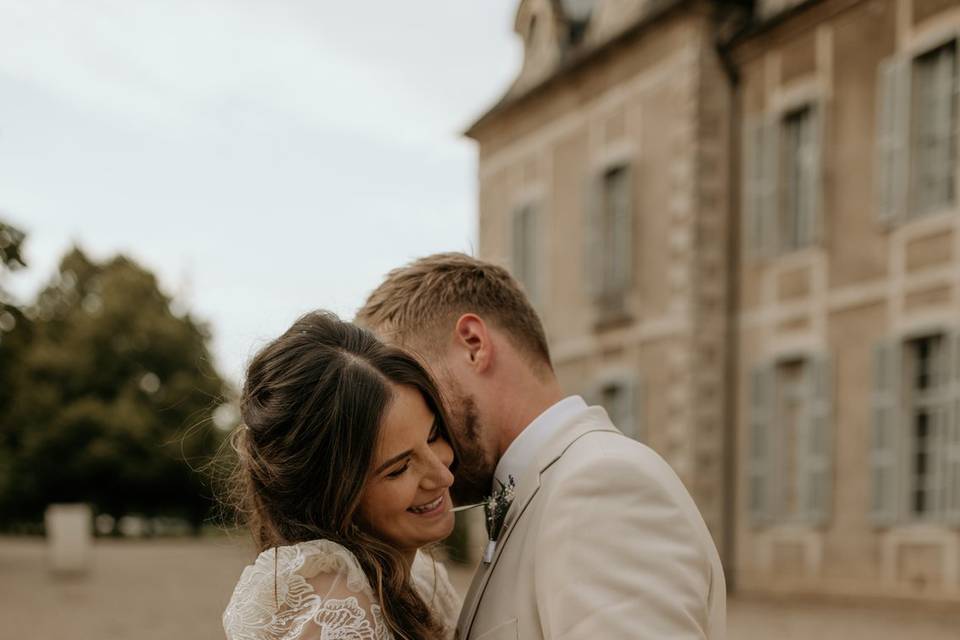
[[343, 475]]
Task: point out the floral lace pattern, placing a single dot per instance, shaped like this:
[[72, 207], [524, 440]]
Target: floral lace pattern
[[275, 600]]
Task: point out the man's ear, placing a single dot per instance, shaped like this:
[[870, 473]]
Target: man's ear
[[474, 340]]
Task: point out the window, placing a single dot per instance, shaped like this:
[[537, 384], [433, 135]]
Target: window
[[916, 128], [610, 241], [791, 398], [782, 180], [800, 186], [524, 245], [926, 410], [789, 457], [932, 140], [915, 454], [619, 395]]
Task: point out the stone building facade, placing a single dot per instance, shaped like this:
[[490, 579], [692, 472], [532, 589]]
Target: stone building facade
[[738, 222], [849, 300]]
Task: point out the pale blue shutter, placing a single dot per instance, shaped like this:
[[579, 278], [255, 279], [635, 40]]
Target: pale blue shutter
[[940, 418], [761, 454], [943, 115], [886, 434], [638, 407], [620, 396], [593, 234], [629, 407], [622, 221], [752, 167], [892, 162], [811, 221], [525, 250], [815, 442], [769, 198], [518, 253], [951, 448]]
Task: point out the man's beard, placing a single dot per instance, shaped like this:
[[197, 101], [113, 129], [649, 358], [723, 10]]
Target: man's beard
[[474, 474]]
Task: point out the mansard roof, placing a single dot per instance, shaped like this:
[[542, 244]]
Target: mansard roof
[[581, 30], [577, 41]]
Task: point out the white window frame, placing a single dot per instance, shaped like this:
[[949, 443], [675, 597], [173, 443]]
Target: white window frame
[[812, 475], [763, 183], [608, 291], [893, 165], [528, 267], [896, 456], [629, 380], [936, 402]]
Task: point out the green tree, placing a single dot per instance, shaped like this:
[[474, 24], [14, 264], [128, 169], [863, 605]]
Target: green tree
[[113, 397], [14, 336]]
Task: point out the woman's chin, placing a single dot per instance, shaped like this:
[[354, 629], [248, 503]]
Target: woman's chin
[[439, 530], [450, 522]]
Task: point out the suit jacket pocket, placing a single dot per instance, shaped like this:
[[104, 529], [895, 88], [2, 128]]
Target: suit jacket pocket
[[503, 631]]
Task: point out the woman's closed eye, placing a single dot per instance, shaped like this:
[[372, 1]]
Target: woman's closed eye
[[399, 472], [434, 433]]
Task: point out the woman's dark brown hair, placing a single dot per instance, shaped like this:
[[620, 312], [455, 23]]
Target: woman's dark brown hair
[[311, 410]]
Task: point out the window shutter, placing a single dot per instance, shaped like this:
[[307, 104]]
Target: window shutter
[[944, 116], [620, 396], [752, 187], [518, 245], [951, 448], [638, 406], [593, 237], [885, 434], [630, 425], [955, 121], [815, 442], [524, 245], [760, 455], [893, 134], [769, 198], [812, 222], [623, 231]]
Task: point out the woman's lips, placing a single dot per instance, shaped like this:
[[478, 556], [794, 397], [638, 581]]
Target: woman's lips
[[430, 508]]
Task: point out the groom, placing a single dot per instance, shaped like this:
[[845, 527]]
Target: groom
[[601, 540]]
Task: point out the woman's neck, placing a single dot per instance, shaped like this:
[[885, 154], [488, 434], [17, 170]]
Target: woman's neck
[[408, 558]]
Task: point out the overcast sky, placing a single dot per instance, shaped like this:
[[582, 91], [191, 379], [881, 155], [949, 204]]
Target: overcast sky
[[263, 157]]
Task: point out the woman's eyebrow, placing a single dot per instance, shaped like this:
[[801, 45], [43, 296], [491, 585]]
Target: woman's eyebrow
[[408, 452], [394, 459]]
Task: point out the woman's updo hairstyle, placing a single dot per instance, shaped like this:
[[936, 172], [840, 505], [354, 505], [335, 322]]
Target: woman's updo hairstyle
[[311, 409]]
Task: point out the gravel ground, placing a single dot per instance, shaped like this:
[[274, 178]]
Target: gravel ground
[[146, 590]]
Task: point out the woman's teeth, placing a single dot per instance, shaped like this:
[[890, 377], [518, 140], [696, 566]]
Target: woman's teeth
[[430, 506]]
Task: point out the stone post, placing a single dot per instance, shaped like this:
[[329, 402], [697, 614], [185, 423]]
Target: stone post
[[69, 537]]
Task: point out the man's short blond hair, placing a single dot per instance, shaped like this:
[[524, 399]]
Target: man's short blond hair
[[417, 305]]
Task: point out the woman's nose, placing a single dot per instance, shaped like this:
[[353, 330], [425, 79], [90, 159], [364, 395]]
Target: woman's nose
[[441, 460]]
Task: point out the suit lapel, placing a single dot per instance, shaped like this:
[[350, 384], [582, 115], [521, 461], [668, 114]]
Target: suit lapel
[[593, 419], [525, 491]]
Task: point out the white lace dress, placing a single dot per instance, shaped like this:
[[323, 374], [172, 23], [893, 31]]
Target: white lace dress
[[317, 591]]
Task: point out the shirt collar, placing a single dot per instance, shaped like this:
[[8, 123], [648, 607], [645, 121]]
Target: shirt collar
[[521, 452]]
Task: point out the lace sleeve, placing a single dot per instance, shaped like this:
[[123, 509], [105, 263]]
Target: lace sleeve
[[309, 591], [337, 612]]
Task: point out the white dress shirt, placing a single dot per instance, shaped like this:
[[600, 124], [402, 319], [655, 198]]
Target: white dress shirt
[[523, 450]]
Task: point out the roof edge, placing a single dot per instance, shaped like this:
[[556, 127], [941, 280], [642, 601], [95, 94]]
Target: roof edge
[[575, 60]]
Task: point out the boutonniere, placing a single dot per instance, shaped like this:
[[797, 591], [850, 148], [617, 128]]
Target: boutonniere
[[495, 510]]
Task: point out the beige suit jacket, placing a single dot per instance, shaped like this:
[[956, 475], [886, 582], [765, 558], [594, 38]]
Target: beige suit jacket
[[602, 542]]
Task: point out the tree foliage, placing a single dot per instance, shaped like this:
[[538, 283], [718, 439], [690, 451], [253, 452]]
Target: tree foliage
[[108, 398]]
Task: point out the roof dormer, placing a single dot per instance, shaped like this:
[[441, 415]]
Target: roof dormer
[[537, 25]]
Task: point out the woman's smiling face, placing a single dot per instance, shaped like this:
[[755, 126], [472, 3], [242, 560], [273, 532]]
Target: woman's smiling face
[[406, 499]]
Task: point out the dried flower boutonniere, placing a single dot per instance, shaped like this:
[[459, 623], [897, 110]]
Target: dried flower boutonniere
[[495, 510]]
